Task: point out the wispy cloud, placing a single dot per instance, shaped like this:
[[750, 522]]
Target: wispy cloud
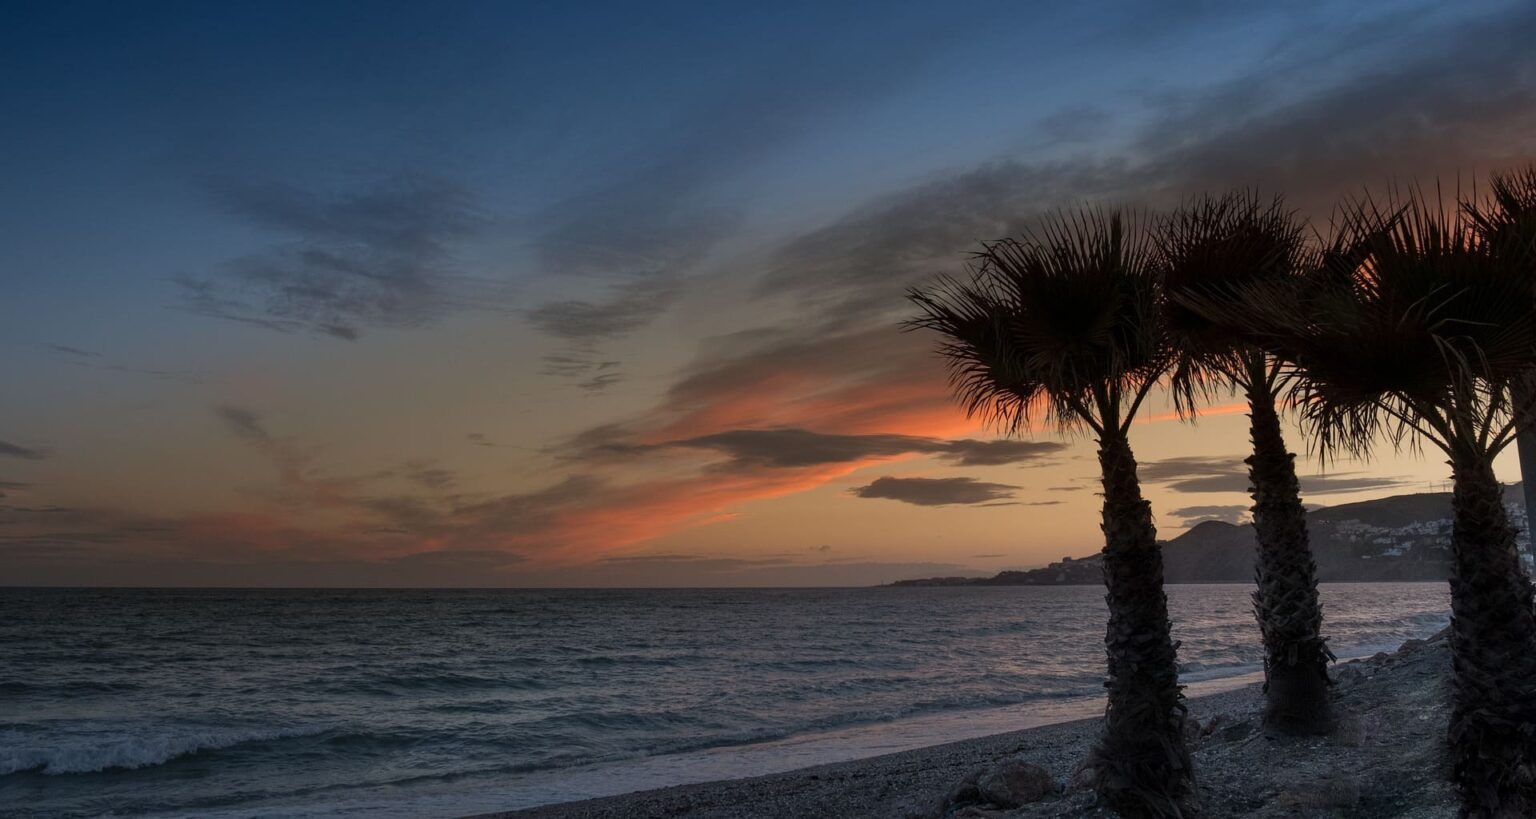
[[935, 491], [1231, 513], [380, 256], [1229, 473], [26, 453]]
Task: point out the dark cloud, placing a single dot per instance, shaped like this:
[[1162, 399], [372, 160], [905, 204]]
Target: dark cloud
[[243, 424], [1350, 482], [1426, 98], [1195, 466], [1228, 473], [246, 426], [26, 453], [1227, 514], [967, 452], [89, 359], [429, 476], [935, 491], [800, 447], [73, 351], [600, 382], [790, 447], [374, 257], [630, 306]]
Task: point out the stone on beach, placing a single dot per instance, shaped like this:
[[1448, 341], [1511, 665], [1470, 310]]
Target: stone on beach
[[1016, 782]]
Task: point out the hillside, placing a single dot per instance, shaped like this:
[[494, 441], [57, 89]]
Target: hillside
[[1402, 537]]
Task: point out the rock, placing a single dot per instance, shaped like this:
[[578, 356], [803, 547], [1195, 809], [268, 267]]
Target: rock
[[1084, 778], [1214, 723], [1192, 731], [974, 812], [1015, 782], [1351, 731], [1334, 792], [1235, 732], [964, 793]]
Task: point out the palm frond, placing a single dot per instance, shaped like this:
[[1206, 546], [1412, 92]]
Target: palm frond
[[1209, 250], [1062, 320], [1409, 324]]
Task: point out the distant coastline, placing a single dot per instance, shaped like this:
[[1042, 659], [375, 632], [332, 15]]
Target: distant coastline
[[1401, 538]]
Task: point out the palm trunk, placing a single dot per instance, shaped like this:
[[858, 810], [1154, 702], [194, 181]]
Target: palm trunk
[[1526, 446], [1143, 767], [1290, 617], [1493, 648]]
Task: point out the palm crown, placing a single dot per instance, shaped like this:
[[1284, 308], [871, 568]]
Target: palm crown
[[1063, 320], [1421, 328]]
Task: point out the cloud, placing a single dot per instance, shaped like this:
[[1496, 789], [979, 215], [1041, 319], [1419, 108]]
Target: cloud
[[967, 452], [1225, 468], [10, 450], [75, 352], [371, 257], [1390, 95], [89, 359], [800, 447], [935, 491], [1227, 514], [792, 447], [429, 476], [247, 427], [1229, 473], [632, 305], [1350, 482]]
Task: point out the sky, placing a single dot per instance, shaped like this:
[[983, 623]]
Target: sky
[[604, 294]]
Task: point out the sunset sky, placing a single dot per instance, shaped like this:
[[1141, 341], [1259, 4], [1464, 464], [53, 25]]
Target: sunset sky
[[609, 294]]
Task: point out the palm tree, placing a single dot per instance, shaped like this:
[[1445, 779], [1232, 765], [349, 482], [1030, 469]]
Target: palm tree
[[1208, 248], [1423, 336], [1508, 221], [1063, 325]]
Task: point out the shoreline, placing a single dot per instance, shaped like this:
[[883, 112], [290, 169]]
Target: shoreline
[[1390, 707]]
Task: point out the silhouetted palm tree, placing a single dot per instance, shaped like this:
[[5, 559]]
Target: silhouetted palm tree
[[1063, 326], [1508, 221], [1209, 249], [1423, 336]]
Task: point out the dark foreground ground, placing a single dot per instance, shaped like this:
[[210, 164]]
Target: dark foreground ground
[[1385, 760]]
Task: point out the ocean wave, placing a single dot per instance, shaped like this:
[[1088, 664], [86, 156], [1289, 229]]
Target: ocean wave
[[71, 687], [91, 752]]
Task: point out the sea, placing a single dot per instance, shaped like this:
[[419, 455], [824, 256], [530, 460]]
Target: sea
[[431, 703]]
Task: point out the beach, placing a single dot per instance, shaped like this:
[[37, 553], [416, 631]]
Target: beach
[[1385, 759]]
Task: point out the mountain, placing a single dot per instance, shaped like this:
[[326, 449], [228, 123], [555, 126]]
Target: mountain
[[1402, 537]]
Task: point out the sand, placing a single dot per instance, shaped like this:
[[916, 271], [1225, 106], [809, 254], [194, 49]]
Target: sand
[[1387, 759]]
